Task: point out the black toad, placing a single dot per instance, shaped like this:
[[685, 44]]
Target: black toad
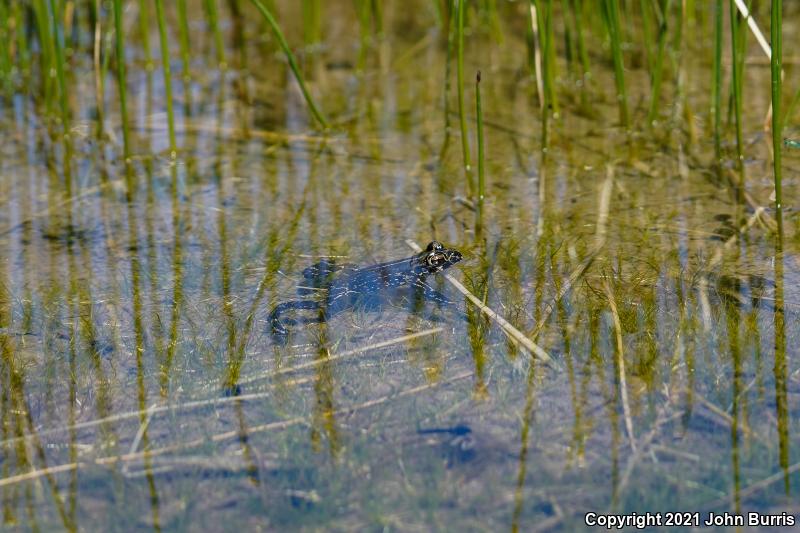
[[349, 287]]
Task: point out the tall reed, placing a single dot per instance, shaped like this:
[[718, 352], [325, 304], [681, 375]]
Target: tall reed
[[544, 19], [22, 52], [481, 173], [213, 23], [46, 53], [549, 54], [777, 127], [661, 10], [144, 31], [276, 30], [460, 81], [99, 74], [611, 19], [56, 30], [164, 45], [447, 20], [5, 46], [312, 21], [183, 35], [121, 80], [716, 82], [575, 8], [736, 65]]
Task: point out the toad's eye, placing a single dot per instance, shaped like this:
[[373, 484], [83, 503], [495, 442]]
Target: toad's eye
[[434, 246], [435, 259]]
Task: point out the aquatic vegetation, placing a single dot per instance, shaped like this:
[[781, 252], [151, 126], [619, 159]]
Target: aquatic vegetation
[[623, 306]]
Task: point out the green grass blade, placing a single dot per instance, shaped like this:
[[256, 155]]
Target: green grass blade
[[183, 36], [292, 63], [164, 43], [479, 114], [777, 127], [611, 16], [716, 83], [460, 81], [121, 78]]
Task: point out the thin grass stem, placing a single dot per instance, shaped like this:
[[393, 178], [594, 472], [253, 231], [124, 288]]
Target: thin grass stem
[[777, 126], [164, 43], [611, 17], [121, 78], [213, 21], [737, 64], [292, 63], [58, 44], [657, 68], [144, 30], [99, 74], [460, 80], [716, 83], [549, 50], [5, 47], [183, 36], [481, 173]]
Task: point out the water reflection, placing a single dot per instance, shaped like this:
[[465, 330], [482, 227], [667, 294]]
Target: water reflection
[[135, 291]]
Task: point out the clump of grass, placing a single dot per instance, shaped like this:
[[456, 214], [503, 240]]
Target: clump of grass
[[292, 63], [611, 18], [164, 44]]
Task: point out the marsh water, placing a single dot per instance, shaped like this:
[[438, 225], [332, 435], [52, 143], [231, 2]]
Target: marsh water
[[142, 390]]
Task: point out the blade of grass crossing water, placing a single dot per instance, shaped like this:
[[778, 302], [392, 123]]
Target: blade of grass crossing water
[[777, 127], [164, 44], [292, 63]]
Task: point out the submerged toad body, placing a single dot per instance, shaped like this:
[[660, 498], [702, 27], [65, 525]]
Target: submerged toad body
[[348, 287]]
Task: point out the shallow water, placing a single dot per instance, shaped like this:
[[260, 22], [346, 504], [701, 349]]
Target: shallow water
[[141, 386]]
